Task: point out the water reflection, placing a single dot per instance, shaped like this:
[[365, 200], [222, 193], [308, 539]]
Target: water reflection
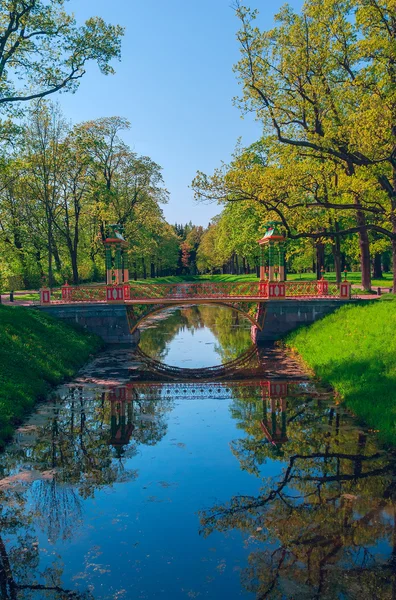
[[265, 479], [324, 524], [196, 336]]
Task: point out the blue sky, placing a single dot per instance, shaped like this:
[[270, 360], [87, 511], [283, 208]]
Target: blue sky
[[175, 84]]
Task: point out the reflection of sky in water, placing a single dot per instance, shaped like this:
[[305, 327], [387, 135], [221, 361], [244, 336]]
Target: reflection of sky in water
[[193, 349], [130, 528], [141, 534], [197, 336]]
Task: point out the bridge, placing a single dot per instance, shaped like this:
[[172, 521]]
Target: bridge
[[273, 306], [115, 312]]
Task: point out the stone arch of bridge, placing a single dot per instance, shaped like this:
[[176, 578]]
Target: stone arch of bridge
[[137, 313]]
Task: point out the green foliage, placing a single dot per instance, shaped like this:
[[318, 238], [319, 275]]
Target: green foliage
[[36, 352], [43, 50], [321, 83], [61, 186], [354, 278], [354, 350]]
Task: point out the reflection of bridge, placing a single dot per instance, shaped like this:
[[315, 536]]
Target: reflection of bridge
[[272, 394], [246, 365]]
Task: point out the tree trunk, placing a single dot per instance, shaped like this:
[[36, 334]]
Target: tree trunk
[[336, 250], [50, 275], [320, 256], [58, 262], [386, 262], [73, 257], [152, 270], [377, 266], [144, 269], [364, 243]]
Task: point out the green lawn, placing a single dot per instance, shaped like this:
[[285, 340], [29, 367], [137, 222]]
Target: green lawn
[[36, 352], [354, 350], [354, 278]]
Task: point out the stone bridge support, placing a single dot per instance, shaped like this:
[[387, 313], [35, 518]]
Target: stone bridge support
[[274, 318], [279, 317], [109, 321]]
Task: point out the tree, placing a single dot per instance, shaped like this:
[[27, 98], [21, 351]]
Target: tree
[[74, 193], [42, 47], [44, 137], [323, 83]]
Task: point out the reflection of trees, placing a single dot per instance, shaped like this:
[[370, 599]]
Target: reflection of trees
[[231, 329], [73, 443], [325, 526], [19, 576], [71, 458], [137, 418], [154, 338]]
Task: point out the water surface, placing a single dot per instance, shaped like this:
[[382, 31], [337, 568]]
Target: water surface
[[122, 486]]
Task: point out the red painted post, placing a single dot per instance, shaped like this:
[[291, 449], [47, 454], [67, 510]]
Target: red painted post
[[114, 294], [127, 291], [323, 287], [276, 290], [45, 296], [263, 288], [345, 290], [66, 292]]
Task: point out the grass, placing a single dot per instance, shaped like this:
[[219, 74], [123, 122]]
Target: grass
[[36, 353], [354, 350], [354, 278]]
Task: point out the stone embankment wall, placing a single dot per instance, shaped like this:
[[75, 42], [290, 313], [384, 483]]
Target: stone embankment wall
[[279, 317], [109, 321]]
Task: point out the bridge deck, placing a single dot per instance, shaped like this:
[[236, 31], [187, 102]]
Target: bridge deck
[[202, 300]]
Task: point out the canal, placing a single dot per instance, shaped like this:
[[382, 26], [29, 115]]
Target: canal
[[196, 480]]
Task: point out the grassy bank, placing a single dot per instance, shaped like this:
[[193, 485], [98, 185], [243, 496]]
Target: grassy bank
[[354, 350], [36, 352], [354, 278]]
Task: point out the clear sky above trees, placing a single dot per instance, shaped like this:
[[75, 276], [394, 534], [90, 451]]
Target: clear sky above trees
[[175, 85]]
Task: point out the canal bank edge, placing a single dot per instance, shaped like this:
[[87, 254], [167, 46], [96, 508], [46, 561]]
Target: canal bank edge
[[354, 351], [37, 352], [109, 321]]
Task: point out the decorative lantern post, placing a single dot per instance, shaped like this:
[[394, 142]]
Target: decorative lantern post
[[115, 276], [45, 293], [274, 397], [275, 242], [345, 287], [121, 412], [323, 285]]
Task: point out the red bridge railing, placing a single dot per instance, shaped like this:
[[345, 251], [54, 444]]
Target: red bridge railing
[[241, 291], [187, 291]]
